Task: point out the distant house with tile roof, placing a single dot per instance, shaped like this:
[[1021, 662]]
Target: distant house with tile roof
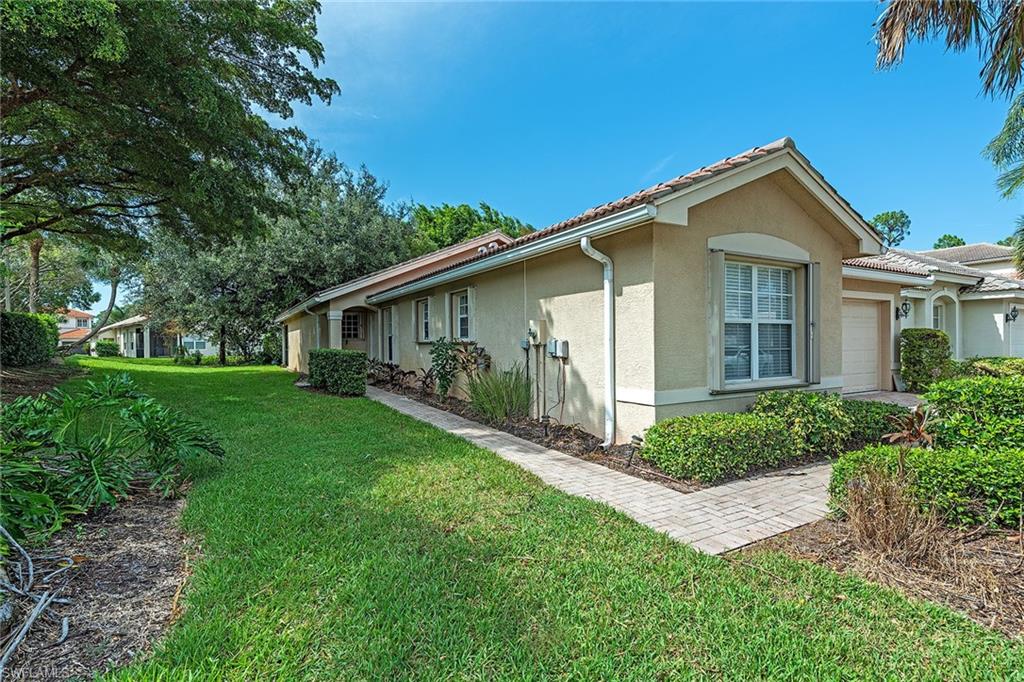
[[973, 305], [73, 326]]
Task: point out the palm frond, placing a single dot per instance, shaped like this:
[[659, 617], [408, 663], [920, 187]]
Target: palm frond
[[962, 23]]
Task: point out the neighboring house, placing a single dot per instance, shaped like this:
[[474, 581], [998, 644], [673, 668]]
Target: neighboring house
[[980, 310], [73, 326], [137, 338], [690, 296], [982, 256], [339, 317]]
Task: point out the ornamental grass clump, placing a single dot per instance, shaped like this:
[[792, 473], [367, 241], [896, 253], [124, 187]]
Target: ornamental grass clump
[[501, 395], [712, 447]]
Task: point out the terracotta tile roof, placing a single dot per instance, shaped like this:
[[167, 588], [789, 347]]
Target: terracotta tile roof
[[917, 263], [872, 263], [993, 283], [71, 312], [971, 253], [74, 334], [643, 196]]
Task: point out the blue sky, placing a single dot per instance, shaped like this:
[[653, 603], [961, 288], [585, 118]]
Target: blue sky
[[543, 110]]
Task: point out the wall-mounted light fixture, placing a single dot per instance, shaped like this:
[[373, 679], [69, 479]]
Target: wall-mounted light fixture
[[1012, 315], [903, 310]]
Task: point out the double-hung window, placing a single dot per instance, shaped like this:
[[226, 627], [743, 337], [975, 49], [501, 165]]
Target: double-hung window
[[759, 322], [388, 323], [81, 322], [192, 343], [939, 316], [460, 316], [423, 319]]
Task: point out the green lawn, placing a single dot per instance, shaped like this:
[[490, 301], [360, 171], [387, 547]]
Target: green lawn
[[342, 540]]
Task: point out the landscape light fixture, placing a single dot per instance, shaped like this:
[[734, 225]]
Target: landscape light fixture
[[1012, 315]]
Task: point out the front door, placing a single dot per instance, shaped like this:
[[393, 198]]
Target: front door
[[140, 344]]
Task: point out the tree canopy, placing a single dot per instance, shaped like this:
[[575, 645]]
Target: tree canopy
[[65, 276], [340, 226], [892, 226], [444, 225], [122, 116], [948, 240]]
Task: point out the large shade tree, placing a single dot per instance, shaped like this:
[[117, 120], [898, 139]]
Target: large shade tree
[[447, 224], [340, 226], [63, 277], [122, 116]]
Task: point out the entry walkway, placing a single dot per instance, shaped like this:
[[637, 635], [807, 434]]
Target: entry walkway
[[713, 520]]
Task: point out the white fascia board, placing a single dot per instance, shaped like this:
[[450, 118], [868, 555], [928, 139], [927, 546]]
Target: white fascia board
[[988, 295], [854, 272], [955, 279], [603, 226]]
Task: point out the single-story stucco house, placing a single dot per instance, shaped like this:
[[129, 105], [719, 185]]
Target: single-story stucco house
[[689, 296], [137, 338], [981, 311]]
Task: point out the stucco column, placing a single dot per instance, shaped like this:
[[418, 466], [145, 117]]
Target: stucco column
[[334, 329], [145, 341]]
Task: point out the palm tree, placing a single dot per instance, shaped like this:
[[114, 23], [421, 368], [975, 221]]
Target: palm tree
[[995, 27]]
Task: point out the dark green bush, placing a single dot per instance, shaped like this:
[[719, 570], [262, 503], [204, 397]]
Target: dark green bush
[[27, 339], [981, 412], [270, 349], [924, 357], [966, 486], [107, 348], [502, 394], [871, 420], [715, 446], [338, 371], [818, 421], [988, 367]]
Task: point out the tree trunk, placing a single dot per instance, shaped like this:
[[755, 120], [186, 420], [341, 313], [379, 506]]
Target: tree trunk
[[223, 348], [34, 247], [101, 322]]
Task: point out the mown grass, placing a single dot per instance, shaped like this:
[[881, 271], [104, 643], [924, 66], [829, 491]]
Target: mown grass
[[342, 540]]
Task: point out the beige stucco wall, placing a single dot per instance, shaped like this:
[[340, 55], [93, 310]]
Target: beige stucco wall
[[984, 328], [661, 309], [302, 337]]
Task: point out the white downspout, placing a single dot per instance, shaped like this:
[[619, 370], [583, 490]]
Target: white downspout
[[609, 339]]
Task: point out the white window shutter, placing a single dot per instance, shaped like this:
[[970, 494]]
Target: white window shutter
[[471, 294], [813, 334], [448, 329], [716, 320]]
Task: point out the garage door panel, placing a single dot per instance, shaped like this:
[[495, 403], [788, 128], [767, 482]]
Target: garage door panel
[[860, 346]]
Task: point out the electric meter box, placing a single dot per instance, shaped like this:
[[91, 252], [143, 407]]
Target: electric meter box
[[558, 348]]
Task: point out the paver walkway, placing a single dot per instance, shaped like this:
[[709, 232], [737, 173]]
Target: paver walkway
[[713, 520]]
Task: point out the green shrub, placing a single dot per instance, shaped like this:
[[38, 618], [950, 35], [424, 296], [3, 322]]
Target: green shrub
[[501, 395], [197, 358], [981, 412], [966, 486], [444, 361], [270, 348], [711, 447], [924, 357], [27, 339], [63, 454], [818, 421], [988, 367], [338, 371], [871, 420], [107, 348]]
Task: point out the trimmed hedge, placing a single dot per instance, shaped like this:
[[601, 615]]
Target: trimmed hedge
[[338, 371], [988, 367], [107, 348], [924, 357], [818, 421], [979, 412], [871, 421], [27, 339], [966, 486], [711, 447]]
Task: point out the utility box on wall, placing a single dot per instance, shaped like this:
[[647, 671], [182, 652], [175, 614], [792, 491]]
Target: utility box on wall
[[558, 348]]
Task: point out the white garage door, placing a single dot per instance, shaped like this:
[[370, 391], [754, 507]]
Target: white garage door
[[860, 346]]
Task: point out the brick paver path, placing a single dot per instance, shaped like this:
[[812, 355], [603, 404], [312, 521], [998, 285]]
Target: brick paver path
[[713, 520]]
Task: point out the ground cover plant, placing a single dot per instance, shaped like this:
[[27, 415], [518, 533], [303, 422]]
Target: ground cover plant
[[343, 540]]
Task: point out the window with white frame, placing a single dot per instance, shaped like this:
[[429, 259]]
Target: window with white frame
[[82, 322], [387, 318], [460, 316], [939, 316], [423, 319], [192, 343], [351, 326], [760, 329]]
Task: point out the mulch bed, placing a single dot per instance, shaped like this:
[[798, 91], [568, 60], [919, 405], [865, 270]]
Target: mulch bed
[[988, 587], [16, 382], [124, 591]]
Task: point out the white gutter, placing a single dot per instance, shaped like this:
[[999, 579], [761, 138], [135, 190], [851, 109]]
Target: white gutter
[[595, 228], [609, 339]]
